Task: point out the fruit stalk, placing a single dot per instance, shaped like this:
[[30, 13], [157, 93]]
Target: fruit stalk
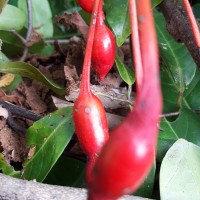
[[136, 44], [193, 23]]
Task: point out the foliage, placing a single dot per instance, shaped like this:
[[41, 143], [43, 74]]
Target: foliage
[[178, 141]]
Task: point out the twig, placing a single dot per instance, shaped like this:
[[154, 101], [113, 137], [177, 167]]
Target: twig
[[170, 114], [22, 112], [30, 27], [15, 33], [114, 98]]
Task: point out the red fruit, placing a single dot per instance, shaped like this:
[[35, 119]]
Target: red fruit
[[103, 53], [89, 115], [129, 154], [86, 5], [91, 126]]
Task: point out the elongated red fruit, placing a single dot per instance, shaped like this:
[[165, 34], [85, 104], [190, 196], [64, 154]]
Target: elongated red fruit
[[128, 156], [89, 115], [91, 126], [86, 5], [103, 53]]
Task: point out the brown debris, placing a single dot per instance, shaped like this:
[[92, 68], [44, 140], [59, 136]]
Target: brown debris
[[13, 144], [74, 20], [35, 38], [9, 98]]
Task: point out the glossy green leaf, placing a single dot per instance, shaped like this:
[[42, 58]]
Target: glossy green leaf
[[196, 9], [186, 126], [125, 72], [67, 172], [7, 169], [13, 2], [117, 16], [192, 94], [171, 97], [29, 71], [175, 56], [42, 16], [146, 188], [12, 18], [180, 172], [47, 139], [13, 47], [3, 58], [156, 3]]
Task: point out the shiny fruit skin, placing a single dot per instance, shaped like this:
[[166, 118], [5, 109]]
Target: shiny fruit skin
[[124, 161], [103, 53], [86, 5], [91, 127]]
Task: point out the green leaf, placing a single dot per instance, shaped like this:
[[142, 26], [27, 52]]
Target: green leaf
[[146, 188], [42, 16], [180, 172], [67, 172], [175, 56], [3, 58], [12, 18], [192, 94], [125, 72], [47, 139], [117, 16], [186, 126], [156, 3], [29, 71], [7, 169], [196, 8], [170, 92], [11, 45]]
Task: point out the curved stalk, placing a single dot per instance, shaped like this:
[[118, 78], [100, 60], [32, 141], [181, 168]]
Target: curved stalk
[[193, 23], [136, 43], [85, 81]]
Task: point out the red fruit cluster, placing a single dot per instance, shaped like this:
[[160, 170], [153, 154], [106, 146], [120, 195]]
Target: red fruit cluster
[[127, 157], [119, 165]]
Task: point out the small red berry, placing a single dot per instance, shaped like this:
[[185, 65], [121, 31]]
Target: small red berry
[[103, 53], [86, 5]]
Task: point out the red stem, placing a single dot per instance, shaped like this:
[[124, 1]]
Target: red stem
[[136, 43], [193, 23], [150, 62], [85, 81]]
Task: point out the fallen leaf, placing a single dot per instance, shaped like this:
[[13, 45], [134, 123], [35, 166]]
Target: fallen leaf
[[6, 80]]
